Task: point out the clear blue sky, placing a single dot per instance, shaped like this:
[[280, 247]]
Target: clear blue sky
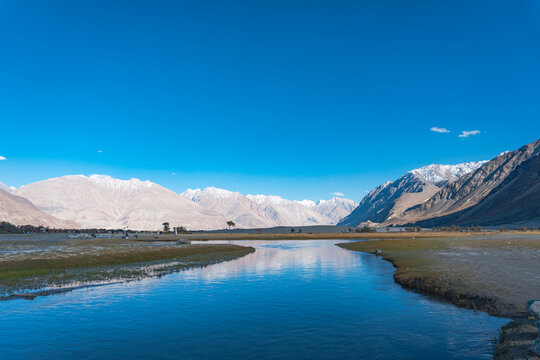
[[295, 98]]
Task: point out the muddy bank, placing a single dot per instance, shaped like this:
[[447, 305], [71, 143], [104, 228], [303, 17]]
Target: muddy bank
[[495, 274]]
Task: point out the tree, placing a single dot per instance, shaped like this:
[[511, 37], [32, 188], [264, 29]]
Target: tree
[[231, 224], [166, 227]]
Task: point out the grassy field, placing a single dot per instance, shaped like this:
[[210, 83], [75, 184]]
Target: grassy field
[[27, 265]]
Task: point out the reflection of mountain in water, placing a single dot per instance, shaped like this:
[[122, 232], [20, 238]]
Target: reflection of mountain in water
[[276, 258]]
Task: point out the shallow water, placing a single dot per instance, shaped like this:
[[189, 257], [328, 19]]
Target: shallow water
[[289, 299]]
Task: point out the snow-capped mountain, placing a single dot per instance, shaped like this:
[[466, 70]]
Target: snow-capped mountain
[[336, 208], [269, 210], [442, 174], [289, 212], [100, 201], [386, 203], [233, 205], [503, 191]]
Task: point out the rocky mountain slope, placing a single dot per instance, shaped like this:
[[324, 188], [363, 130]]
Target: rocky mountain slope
[[441, 175], [503, 191], [20, 211], [387, 203]]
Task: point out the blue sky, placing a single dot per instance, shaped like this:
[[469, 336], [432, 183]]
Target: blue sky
[[296, 98]]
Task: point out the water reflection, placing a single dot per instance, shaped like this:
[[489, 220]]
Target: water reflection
[[273, 258]]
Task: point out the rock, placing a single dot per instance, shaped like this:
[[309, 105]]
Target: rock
[[534, 308], [535, 348]]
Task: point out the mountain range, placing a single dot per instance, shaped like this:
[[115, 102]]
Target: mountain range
[[386, 203], [100, 201], [503, 191]]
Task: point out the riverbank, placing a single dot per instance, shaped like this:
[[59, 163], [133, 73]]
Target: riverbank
[[32, 267], [497, 274], [316, 236]]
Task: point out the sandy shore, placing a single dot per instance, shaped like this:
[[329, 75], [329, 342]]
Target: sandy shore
[[496, 273]]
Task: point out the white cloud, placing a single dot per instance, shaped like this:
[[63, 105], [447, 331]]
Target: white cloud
[[339, 194], [465, 133], [100, 151], [439, 130], [2, 158]]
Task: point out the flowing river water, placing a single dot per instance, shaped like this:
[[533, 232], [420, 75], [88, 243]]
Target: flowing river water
[[288, 300]]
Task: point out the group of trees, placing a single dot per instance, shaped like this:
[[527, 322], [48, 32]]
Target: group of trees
[[167, 228], [181, 229], [9, 228]]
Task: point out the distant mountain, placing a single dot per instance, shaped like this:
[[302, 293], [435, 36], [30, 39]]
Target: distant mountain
[[100, 201], [289, 212], [335, 209], [104, 202], [503, 191], [232, 205], [387, 203], [19, 211], [253, 211]]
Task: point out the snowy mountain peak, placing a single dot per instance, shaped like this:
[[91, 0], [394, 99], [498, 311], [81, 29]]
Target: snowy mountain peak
[[440, 174], [208, 192], [308, 203], [103, 181], [117, 184], [273, 199]]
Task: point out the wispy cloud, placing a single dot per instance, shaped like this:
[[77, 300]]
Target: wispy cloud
[[100, 151], [465, 133], [2, 158], [439, 130], [339, 194]]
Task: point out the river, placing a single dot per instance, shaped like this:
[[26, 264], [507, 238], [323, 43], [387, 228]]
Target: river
[[288, 300]]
